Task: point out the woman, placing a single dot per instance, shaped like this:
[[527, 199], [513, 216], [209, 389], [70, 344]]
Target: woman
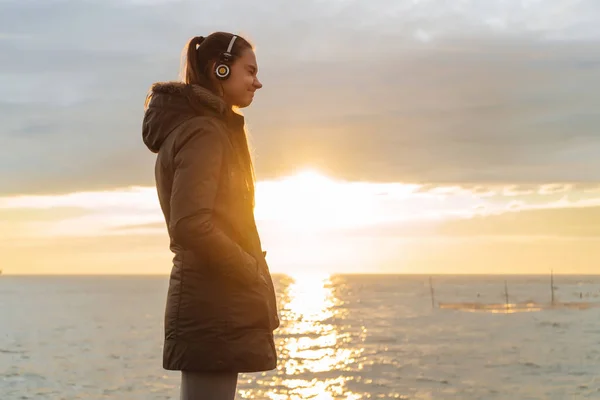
[[221, 311]]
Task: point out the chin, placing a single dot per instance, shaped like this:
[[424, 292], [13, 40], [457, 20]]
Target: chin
[[244, 104]]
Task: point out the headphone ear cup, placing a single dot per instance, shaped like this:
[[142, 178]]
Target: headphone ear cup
[[222, 71]]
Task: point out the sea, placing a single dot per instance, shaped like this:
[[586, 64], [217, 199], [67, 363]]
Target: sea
[[341, 337]]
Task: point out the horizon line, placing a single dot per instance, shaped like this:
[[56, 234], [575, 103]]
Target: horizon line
[[4, 274]]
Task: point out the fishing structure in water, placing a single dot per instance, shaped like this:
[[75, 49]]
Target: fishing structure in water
[[508, 307]]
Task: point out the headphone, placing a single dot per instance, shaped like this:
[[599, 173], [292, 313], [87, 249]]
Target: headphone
[[222, 70]]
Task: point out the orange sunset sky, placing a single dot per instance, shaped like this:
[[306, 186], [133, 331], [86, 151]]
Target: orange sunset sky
[[389, 137]]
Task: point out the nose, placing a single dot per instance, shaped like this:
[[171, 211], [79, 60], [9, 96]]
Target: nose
[[257, 84]]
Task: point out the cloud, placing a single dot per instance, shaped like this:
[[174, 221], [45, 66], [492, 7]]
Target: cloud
[[134, 197], [516, 223], [555, 188], [517, 190], [484, 99], [470, 115], [80, 214], [310, 204]]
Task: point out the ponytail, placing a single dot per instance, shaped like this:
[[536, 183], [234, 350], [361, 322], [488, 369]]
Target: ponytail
[[191, 73]]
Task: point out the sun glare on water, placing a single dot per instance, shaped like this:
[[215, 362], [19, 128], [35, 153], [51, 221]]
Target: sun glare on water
[[311, 343]]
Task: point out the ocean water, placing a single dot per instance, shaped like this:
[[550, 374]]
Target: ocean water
[[342, 337]]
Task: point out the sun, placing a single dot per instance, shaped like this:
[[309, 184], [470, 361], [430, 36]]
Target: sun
[[311, 201], [313, 223]]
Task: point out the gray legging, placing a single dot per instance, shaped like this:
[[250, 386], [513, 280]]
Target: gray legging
[[208, 386]]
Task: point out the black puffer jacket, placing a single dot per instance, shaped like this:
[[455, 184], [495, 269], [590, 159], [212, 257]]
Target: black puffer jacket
[[221, 309]]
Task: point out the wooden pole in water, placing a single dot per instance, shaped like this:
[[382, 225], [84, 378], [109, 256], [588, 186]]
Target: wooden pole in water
[[552, 285], [506, 292], [431, 290]]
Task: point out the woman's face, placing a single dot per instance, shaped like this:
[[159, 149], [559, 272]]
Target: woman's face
[[239, 88]]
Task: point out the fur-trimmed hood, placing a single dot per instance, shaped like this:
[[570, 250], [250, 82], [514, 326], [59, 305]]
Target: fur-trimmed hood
[[169, 104]]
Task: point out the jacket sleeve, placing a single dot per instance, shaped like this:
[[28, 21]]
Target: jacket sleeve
[[197, 170]]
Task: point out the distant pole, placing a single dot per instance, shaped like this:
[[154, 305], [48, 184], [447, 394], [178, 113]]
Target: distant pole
[[552, 285], [431, 290], [506, 292]]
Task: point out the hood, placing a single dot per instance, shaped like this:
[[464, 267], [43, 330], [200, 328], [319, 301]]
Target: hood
[[171, 103]]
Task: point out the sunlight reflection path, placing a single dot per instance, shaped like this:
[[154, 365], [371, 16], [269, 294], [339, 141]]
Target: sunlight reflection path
[[315, 352]]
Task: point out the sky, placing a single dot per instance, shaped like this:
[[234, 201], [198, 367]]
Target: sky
[[421, 136]]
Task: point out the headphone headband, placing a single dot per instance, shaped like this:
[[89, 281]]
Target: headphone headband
[[231, 43]]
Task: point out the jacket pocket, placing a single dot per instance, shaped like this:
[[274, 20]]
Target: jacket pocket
[[248, 306], [270, 296]]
